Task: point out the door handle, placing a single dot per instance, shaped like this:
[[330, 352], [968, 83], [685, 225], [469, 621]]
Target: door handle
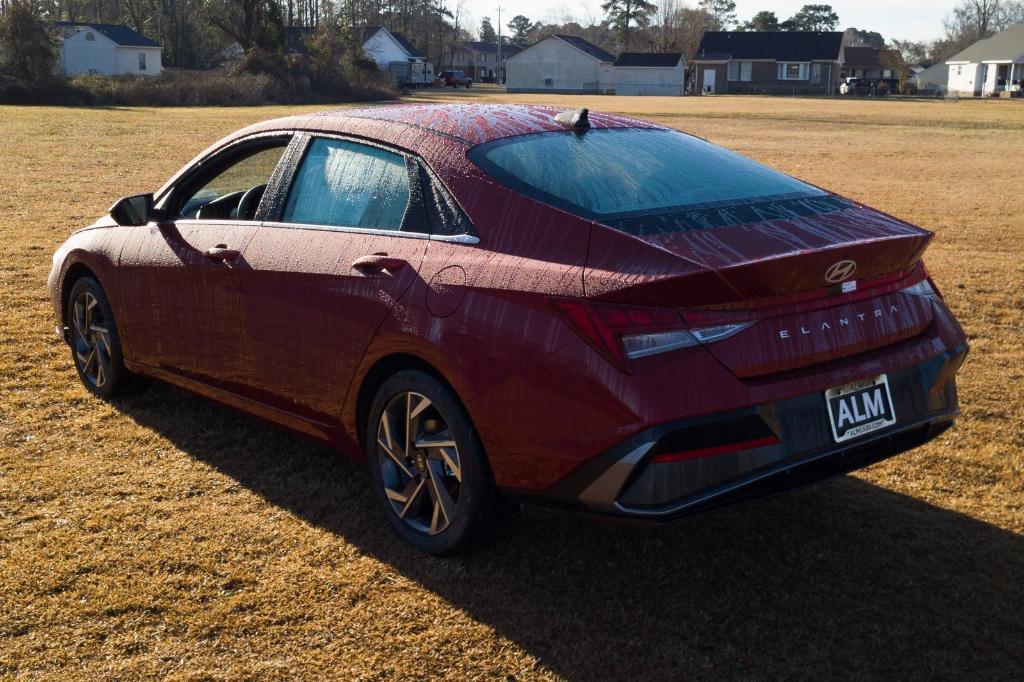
[[221, 253], [378, 262]]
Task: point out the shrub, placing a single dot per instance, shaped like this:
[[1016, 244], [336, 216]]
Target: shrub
[[290, 83]]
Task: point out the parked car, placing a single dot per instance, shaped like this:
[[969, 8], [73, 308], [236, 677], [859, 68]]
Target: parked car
[[489, 303], [455, 79], [853, 86]]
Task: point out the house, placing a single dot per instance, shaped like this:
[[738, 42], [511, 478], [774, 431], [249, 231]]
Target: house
[[384, 46], [560, 63], [784, 62], [990, 67], [649, 73], [932, 81], [479, 60], [109, 49], [869, 64]]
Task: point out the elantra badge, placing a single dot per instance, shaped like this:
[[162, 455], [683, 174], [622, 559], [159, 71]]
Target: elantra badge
[[839, 271]]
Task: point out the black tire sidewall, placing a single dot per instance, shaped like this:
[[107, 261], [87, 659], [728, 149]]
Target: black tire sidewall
[[477, 489], [117, 370]]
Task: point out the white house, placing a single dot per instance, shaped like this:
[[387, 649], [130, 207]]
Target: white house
[[108, 49], [384, 46], [649, 73], [991, 66], [560, 63]]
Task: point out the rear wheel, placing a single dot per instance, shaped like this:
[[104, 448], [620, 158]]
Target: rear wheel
[[95, 344], [429, 470]]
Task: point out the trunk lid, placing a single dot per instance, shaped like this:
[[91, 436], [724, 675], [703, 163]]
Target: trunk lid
[[784, 273]]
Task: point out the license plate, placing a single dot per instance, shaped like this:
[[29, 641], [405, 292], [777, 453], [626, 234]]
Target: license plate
[[859, 408]]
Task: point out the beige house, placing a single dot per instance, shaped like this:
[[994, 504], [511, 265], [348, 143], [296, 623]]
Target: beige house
[[562, 64]]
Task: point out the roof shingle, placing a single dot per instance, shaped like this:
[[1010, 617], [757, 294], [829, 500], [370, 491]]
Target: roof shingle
[[664, 59], [783, 46]]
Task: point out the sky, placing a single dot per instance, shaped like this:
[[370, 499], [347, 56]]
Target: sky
[[904, 19]]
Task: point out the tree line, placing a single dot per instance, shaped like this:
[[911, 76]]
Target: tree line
[[195, 33]]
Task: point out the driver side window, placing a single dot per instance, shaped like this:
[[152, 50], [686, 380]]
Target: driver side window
[[234, 193]]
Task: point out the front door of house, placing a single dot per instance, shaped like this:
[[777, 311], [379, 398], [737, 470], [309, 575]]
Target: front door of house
[[709, 81]]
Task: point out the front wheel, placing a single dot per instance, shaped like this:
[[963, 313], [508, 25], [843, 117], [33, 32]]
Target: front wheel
[[428, 467], [95, 343]]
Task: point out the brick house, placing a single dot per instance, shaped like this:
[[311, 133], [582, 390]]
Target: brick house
[[771, 63]]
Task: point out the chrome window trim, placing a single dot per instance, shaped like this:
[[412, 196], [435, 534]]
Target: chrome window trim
[[275, 224], [207, 221], [456, 238]]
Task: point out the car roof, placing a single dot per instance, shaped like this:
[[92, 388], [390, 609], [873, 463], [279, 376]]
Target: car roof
[[414, 125]]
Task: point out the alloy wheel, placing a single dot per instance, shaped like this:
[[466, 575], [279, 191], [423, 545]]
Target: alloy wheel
[[419, 463], [91, 340]]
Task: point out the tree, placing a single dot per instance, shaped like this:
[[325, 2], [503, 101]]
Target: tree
[[27, 51], [812, 18], [893, 61], [913, 52], [723, 11], [487, 32], [256, 25], [624, 15], [762, 22], [520, 26], [854, 37], [973, 20]]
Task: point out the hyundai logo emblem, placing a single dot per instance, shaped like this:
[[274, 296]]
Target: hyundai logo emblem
[[840, 271]]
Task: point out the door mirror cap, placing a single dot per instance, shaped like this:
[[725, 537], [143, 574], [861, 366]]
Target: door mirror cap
[[134, 210]]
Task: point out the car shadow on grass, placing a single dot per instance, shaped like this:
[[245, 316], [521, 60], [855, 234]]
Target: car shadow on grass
[[841, 579]]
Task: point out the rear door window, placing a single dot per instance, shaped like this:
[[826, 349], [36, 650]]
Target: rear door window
[[346, 184]]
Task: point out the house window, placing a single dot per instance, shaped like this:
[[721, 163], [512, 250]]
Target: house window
[[816, 74], [142, 61], [789, 71], [740, 71], [90, 36], [549, 82]]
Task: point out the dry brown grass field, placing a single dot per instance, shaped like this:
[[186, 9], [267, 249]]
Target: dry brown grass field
[[165, 536]]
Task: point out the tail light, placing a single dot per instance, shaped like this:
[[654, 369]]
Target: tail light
[[622, 333]]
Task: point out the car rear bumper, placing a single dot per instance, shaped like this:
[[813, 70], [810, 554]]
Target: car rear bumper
[[791, 444]]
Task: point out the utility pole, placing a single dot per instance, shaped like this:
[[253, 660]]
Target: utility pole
[[497, 70]]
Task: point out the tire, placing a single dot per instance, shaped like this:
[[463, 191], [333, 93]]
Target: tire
[[95, 343], [440, 498]]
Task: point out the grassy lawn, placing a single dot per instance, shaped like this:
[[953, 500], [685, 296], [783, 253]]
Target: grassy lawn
[[162, 535]]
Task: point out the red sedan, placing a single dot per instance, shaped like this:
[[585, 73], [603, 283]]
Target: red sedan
[[518, 302]]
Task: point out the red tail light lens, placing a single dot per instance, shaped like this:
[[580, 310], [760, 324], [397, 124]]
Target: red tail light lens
[[623, 333]]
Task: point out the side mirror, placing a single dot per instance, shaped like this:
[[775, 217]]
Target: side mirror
[[134, 210]]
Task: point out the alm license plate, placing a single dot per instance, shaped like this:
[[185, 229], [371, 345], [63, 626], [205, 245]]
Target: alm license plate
[[859, 408]]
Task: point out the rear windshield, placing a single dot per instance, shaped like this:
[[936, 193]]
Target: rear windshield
[[617, 175]]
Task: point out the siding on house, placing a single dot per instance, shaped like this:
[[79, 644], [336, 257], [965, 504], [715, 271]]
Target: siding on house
[[99, 54], [554, 65], [88, 51], [638, 73], [382, 47]]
